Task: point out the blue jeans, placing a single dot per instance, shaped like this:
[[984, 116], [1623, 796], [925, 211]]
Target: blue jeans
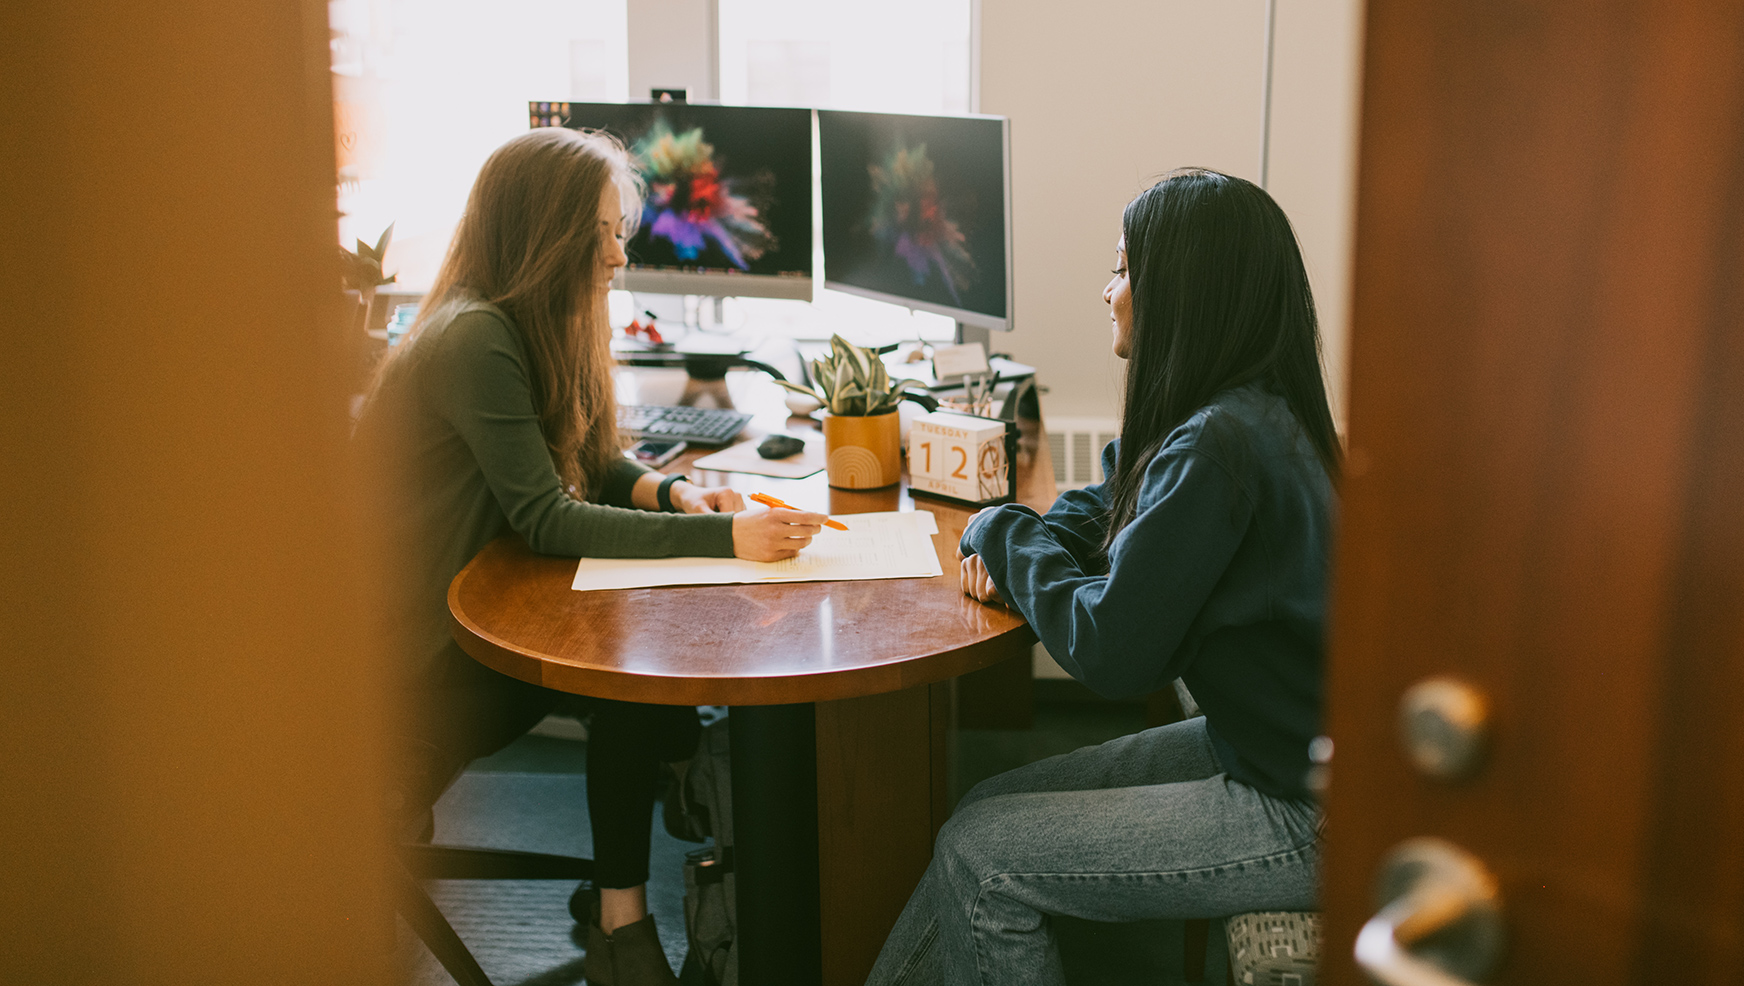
[[1145, 826]]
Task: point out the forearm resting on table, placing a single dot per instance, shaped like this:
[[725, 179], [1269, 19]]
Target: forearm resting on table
[[684, 497], [644, 495]]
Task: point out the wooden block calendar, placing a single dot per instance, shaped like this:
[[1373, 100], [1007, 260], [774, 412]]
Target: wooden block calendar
[[962, 457]]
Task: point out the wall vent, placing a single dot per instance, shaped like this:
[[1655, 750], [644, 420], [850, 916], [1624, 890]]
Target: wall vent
[[1076, 444]]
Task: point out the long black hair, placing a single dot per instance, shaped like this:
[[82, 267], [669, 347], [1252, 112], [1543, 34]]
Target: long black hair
[[1219, 299]]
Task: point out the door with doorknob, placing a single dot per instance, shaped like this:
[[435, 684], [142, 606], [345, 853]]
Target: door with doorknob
[[1537, 652]]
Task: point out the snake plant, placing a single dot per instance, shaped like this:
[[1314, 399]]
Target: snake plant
[[362, 271], [852, 381]]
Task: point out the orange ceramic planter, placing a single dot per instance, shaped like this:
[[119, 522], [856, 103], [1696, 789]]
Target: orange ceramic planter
[[863, 453]]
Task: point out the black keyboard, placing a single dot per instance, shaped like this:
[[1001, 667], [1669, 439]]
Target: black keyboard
[[701, 425]]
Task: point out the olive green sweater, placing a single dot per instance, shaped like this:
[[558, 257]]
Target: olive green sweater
[[454, 420]]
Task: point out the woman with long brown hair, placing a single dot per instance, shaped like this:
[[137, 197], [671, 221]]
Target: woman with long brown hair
[[496, 413]]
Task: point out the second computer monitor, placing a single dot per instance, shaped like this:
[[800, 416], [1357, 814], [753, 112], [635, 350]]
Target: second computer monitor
[[917, 211], [728, 208]]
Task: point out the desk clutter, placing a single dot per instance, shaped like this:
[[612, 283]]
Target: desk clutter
[[951, 366], [888, 545]]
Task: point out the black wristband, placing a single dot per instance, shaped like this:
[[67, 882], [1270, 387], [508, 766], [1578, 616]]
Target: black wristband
[[663, 495]]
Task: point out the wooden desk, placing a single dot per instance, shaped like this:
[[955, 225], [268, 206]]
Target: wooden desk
[[840, 693]]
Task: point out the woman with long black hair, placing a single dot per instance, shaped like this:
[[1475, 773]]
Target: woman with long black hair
[[1203, 557]]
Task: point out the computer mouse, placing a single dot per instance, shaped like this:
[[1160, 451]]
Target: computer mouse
[[780, 447]]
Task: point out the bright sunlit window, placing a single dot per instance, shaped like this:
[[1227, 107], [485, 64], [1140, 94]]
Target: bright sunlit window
[[424, 90], [428, 88]]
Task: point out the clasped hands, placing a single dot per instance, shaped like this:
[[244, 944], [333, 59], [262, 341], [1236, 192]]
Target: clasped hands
[[972, 572]]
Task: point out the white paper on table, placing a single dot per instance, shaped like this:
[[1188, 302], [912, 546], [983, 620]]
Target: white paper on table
[[890, 545]]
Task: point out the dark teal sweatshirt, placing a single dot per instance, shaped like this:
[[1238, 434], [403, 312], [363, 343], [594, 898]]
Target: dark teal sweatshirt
[[1220, 580]]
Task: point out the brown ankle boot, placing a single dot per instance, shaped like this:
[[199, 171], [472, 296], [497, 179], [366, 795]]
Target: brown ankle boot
[[629, 956]]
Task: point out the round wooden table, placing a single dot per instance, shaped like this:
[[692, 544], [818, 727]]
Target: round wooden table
[[736, 645], [839, 693]]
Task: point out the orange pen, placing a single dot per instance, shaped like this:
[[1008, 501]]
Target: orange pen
[[769, 501]]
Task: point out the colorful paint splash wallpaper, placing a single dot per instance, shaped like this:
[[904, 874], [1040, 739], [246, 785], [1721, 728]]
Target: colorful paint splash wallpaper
[[910, 218], [914, 208], [691, 204], [728, 187]]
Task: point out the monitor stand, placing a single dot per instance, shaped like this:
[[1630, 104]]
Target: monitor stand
[[975, 333], [708, 371], [707, 389]]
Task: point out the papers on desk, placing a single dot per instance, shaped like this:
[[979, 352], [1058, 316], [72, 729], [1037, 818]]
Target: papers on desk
[[922, 372], [875, 546]]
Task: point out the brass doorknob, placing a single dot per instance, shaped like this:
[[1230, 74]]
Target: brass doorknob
[[1444, 724], [1440, 922]]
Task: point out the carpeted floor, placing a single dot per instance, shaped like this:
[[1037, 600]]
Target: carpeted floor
[[532, 796], [520, 930]]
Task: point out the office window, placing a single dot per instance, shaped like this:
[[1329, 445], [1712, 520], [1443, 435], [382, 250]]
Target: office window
[[424, 90]]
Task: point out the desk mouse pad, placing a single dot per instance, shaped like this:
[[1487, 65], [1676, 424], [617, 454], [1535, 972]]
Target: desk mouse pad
[[745, 457]]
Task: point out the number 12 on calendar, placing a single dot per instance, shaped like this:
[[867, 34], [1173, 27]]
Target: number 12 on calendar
[[959, 457]]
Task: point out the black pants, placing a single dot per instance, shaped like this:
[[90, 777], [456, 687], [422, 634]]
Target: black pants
[[471, 711]]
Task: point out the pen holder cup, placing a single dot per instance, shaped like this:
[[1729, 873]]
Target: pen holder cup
[[862, 452]]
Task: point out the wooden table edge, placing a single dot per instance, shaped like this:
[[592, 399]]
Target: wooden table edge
[[659, 689]]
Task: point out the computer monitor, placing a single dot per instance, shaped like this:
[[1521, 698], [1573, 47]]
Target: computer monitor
[[728, 210], [917, 212]]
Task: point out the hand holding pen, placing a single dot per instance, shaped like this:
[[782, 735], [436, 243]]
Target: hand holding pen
[[773, 503], [774, 534]]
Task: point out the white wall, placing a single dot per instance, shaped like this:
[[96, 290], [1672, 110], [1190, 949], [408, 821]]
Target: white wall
[[673, 45], [1316, 98], [846, 54], [1106, 94]]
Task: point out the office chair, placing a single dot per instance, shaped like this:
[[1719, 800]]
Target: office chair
[[1274, 947], [1265, 948], [417, 859]]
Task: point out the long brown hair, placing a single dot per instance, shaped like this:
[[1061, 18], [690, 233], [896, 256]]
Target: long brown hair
[[529, 243]]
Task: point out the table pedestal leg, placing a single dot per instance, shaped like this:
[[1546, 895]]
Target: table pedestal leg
[[835, 808], [881, 790], [775, 831]]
